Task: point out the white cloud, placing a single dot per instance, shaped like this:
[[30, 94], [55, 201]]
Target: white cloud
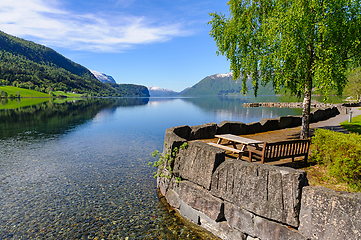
[[46, 21]]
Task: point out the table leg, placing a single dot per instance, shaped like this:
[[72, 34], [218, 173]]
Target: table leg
[[219, 140]]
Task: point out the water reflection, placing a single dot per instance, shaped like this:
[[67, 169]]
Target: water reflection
[[57, 118], [230, 108]]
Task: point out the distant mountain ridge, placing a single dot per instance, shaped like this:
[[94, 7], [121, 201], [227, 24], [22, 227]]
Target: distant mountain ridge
[[223, 84], [161, 92], [29, 65], [103, 77]]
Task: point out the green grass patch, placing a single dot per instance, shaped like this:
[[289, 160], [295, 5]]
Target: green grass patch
[[341, 154], [18, 103], [353, 126], [67, 94], [27, 93]]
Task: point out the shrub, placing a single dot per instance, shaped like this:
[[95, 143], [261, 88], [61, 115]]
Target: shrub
[[341, 153]]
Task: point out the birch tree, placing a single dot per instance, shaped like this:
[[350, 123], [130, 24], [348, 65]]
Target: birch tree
[[299, 45]]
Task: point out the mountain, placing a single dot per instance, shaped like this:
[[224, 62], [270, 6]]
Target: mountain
[[102, 77], [29, 65], [161, 92], [223, 84]]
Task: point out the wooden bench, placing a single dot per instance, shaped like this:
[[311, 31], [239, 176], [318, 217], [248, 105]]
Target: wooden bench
[[281, 150], [234, 150]]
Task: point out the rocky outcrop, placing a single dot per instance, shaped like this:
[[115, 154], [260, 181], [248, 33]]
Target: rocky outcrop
[[327, 214], [240, 200], [207, 130], [268, 191], [198, 162]]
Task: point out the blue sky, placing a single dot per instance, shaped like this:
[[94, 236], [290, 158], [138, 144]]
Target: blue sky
[[163, 43]]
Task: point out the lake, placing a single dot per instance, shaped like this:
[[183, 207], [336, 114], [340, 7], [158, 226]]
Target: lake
[[79, 170]]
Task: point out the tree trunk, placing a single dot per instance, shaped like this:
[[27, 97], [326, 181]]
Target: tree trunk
[[305, 129]]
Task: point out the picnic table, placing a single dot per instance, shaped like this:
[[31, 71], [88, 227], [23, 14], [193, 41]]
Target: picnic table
[[234, 140]]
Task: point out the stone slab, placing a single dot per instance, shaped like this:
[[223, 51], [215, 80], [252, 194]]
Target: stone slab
[[197, 163], [266, 229], [327, 214], [172, 198], [201, 200], [268, 191], [189, 212], [239, 218], [207, 130], [232, 127]]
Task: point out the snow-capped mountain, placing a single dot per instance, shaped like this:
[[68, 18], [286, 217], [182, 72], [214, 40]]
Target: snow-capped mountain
[[161, 92], [103, 77]]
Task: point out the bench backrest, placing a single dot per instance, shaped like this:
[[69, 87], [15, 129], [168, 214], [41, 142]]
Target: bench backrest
[[284, 149]]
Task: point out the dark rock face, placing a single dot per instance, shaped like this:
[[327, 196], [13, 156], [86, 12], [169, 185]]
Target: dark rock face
[[272, 192], [326, 214], [201, 200], [198, 162], [207, 130], [323, 114], [289, 121], [253, 127], [233, 127], [269, 124], [181, 131]]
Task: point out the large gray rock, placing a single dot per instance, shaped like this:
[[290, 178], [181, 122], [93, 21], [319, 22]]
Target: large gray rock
[[172, 198], [181, 131], [327, 214], [239, 218], [289, 121], [201, 200], [323, 114], [268, 191], [253, 127], [207, 130], [189, 212], [165, 183], [269, 124], [232, 127], [266, 229], [226, 232], [172, 140], [259, 227], [198, 162]]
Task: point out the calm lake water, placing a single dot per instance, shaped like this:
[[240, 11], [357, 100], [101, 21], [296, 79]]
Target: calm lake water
[[79, 170]]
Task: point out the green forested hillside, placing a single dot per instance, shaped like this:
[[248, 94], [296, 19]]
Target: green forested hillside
[[29, 65], [223, 84]]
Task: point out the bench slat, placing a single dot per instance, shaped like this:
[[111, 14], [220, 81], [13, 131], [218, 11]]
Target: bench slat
[[285, 149], [226, 148]]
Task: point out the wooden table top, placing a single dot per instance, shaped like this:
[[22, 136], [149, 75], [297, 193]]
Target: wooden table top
[[234, 138]]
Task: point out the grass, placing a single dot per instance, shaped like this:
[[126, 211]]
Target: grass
[[31, 97], [18, 103], [24, 93], [353, 126], [318, 175], [68, 94]]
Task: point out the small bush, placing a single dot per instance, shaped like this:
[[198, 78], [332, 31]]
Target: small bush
[[341, 153]]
